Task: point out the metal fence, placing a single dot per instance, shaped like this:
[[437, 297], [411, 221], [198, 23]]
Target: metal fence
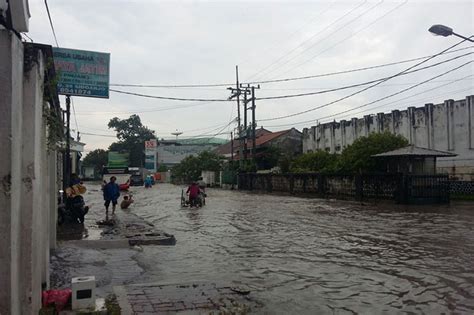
[[398, 187]]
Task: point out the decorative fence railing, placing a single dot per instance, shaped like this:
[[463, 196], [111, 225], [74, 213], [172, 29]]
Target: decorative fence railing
[[397, 187]]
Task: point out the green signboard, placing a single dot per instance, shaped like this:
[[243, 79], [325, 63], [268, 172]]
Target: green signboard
[[117, 159], [82, 73]]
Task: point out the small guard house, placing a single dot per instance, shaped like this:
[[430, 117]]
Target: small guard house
[[412, 160], [419, 182]]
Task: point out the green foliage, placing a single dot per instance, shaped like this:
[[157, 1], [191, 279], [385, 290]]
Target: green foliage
[[97, 159], [162, 168], [190, 168], [356, 158], [268, 157], [54, 123], [319, 161], [132, 135]]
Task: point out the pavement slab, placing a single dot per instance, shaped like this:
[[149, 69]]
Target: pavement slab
[[194, 298]]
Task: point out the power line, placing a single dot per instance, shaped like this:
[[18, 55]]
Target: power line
[[424, 100], [275, 44], [309, 39], [171, 85], [75, 117], [347, 37], [286, 79], [385, 97], [402, 91], [51, 22], [431, 97], [354, 70], [329, 35], [171, 98], [377, 82], [360, 84], [144, 111], [364, 89]]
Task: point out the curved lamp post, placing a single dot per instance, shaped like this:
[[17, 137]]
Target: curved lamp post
[[443, 30]]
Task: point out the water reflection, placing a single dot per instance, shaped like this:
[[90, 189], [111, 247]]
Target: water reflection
[[311, 256]]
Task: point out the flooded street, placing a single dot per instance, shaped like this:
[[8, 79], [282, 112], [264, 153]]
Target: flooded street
[[314, 256]]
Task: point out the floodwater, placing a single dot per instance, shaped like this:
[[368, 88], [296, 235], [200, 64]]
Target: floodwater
[[316, 256]]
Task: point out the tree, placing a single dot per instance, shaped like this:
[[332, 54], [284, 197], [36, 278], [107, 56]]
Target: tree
[[319, 161], [132, 135], [190, 168], [357, 158], [268, 157], [97, 159]]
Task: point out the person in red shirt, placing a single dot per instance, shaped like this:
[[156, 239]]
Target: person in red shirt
[[193, 191]]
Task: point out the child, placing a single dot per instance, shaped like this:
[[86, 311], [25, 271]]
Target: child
[[126, 202]]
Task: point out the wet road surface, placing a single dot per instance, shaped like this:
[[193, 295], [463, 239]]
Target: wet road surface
[[314, 256]]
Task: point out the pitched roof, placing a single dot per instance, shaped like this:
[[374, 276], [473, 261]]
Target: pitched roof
[[263, 136], [412, 150]]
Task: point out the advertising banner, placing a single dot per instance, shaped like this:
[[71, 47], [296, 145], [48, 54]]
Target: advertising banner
[[150, 155], [82, 73], [117, 159]]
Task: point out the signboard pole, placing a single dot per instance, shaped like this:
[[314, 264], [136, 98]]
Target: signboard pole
[[67, 165]]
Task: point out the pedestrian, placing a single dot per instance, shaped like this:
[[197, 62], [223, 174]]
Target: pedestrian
[[126, 202], [148, 182], [111, 194]]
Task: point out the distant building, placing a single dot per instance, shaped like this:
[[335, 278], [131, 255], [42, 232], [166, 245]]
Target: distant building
[[170, 153], [447, 127], [288, 141]]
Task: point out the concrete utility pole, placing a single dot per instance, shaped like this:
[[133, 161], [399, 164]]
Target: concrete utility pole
[[254, 125], [250, 90]]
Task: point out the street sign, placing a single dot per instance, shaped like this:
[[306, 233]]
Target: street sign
[[82, 73]]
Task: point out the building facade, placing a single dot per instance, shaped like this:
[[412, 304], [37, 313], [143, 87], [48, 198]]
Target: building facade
[[447, 127]]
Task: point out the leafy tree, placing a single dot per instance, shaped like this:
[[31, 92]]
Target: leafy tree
[[356, 158], [190, 168], [132, 135], [319, 161], [268, 157], [97, 159]]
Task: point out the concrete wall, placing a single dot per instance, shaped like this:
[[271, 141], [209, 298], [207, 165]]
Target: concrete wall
[[11, 102], [28, 175], [446, 127]]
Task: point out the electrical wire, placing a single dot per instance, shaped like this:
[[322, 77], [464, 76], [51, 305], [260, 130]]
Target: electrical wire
[[75, 117], [309, 39], [364, 89], [385, 97], [286, 79], [360, 84], [170, 98], [346, 38], [329, 35], [275, 44], [51, 22], [377, 82]]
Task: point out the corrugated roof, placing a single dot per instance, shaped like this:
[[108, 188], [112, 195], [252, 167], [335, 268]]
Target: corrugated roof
[[412, 150]]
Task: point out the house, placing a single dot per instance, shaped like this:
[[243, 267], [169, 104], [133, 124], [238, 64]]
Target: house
[[289, 142]]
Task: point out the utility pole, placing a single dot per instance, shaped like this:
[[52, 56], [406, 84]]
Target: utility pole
[[239, 129], [245, 125], [254, 125], [67, 160], [232, 147]]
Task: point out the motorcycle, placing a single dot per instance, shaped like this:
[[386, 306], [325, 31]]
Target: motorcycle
[[73, 210], [198, 202]]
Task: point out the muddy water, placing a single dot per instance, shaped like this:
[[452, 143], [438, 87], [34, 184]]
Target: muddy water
[[317, 256]]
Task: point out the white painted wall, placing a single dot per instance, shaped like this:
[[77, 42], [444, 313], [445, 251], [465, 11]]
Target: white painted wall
[[28, 180], [446, 127]]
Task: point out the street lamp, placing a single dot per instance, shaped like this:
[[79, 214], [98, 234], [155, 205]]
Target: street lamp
[[443, 30]]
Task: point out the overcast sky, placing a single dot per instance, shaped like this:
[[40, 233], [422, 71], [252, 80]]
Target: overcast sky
[[196, 42]]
